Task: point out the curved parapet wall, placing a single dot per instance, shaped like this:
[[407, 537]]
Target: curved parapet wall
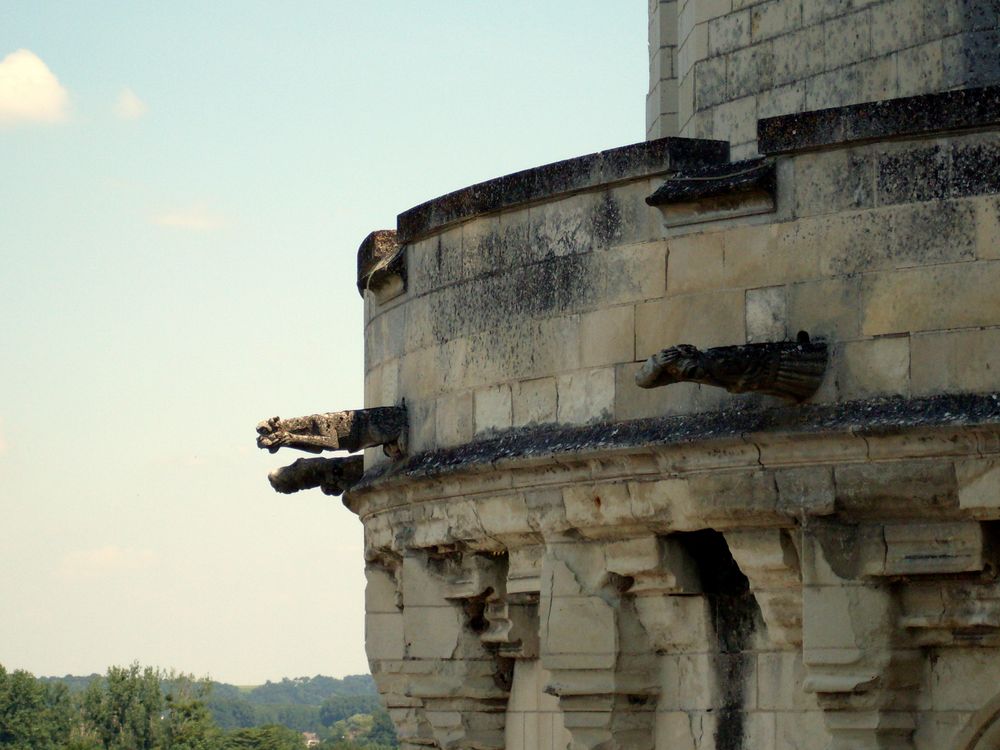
[[564, 559]]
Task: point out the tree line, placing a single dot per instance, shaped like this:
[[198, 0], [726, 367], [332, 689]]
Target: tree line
[[141, 708]]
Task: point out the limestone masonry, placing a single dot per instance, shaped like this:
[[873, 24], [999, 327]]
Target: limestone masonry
[[560, 558]]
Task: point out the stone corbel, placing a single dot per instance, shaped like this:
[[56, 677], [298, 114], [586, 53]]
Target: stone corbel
[[598, 655], [769, 559], [865, 678], [461, 686]]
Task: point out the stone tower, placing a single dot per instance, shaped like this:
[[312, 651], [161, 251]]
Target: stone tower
[[757, 538]]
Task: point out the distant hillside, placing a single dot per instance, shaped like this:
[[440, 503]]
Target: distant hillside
[[302, 703]]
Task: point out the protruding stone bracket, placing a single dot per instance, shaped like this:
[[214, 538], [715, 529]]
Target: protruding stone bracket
[[340, 430], [791, 370], [717, 191], [334, 476], [381, 266]]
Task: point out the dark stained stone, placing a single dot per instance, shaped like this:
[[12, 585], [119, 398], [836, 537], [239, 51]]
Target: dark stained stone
[[717, 180], [883, 416], [914, 115], [602, 168], [379, 260]]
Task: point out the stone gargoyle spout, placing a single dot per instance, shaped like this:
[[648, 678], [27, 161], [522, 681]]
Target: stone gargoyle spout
[[339, 430], [791, 370], [334, 476]]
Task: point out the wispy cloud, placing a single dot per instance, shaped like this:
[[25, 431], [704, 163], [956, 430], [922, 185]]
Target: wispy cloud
[[129, 106], [196, 218], [107, 560], [29, 92]]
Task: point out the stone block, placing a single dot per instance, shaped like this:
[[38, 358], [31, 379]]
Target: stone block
[[979, 486], [775, 17], [806, 490], [849, 38], [898, 487], [736, 121], [433, 632], [687, 682], [961, 679], [729, 32], [677, 730], [384, 638], [381, 596], [933, 548], [421, 415], [710, 82], [896, 26], [833, 181], [820, 10], [768, 255], [912, 173], [796, 57], [780, 678], [921, 69], [454, 419], [607, 336], [629, 273], [827, 309], [677, 624], [493, 409], [870, 80], [987, 228], [694, 262], [956, 361], [782, 100], [877, 367], [926, 299], [586, 396], [702, 319], [534, 401], [766, 314]]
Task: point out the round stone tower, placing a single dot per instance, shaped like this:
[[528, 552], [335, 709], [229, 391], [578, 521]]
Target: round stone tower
[[632, 506]]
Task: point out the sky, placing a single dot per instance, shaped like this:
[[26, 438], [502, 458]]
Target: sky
[[183, 189]]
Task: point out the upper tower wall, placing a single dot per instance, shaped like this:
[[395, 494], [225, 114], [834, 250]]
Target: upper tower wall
[[717, 66]]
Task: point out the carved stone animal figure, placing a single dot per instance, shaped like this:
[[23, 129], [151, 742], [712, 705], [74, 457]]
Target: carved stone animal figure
[[789, 369]]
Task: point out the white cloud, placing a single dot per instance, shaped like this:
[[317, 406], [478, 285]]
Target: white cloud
[[129, 106], [29, 92], [107, 560], [197, 218]]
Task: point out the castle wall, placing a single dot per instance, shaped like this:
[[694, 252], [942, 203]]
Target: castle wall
[[558, 558], [737, 61]]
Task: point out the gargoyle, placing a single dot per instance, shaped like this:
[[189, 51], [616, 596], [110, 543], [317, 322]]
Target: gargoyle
[[334, 476], [788, 369], [339, 430]]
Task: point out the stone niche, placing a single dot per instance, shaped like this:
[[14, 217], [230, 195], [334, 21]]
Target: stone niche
[[560, 559]]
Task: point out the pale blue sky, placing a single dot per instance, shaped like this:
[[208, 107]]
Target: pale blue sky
[[177, 264]]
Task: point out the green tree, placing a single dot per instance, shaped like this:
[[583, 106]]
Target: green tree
[[33, 716], [125, 709], [270, 737], [187, 722]]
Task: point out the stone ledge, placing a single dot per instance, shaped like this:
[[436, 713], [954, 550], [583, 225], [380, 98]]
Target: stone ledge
[[874, 417], [926, 114], [560, 178], [716, 181]]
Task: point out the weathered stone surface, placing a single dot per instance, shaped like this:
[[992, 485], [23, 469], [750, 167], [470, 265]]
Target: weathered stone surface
[[334, 476], [339, 430]]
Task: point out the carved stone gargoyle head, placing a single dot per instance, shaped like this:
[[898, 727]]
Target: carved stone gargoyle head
[[791, 370]]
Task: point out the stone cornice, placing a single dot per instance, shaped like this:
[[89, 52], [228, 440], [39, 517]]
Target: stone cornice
[[926, 114], [560, 178], [738, 439]]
